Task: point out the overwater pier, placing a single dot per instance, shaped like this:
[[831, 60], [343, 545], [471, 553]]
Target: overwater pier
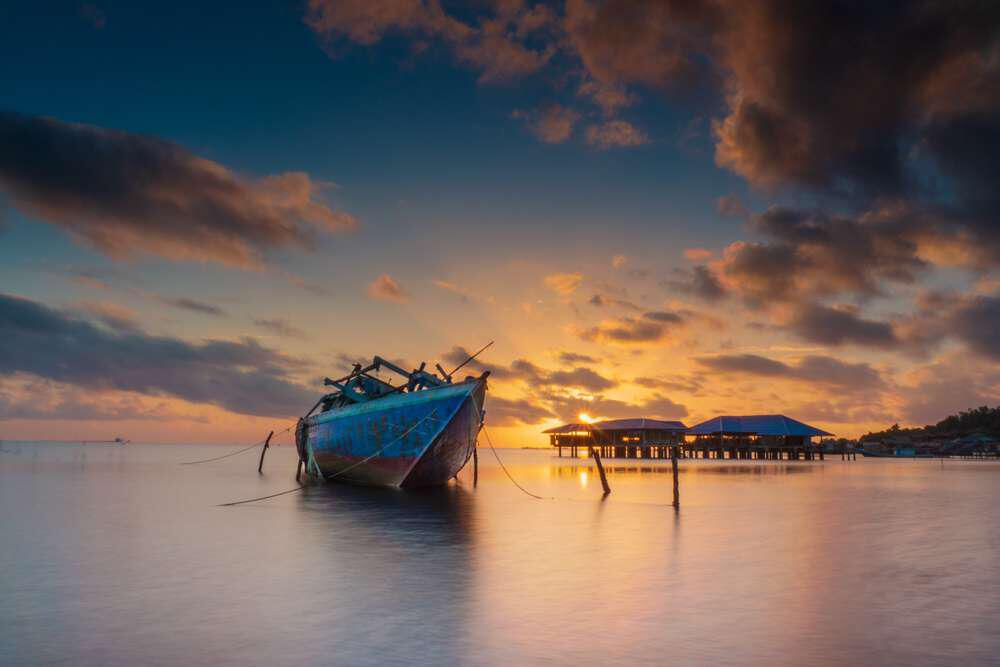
[[747, 438]]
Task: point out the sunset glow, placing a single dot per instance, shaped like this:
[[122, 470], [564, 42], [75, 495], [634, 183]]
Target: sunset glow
[[647, 210]]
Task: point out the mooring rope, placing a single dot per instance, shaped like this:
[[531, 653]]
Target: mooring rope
[[239, 451], [509, 476], [429, 415]]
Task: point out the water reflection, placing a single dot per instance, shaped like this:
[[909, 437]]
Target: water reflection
[[124, 557], [394, 558]]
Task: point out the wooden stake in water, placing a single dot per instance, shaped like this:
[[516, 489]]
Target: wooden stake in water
[[600, 468], [475, 466], [267, 443], [673, 464]]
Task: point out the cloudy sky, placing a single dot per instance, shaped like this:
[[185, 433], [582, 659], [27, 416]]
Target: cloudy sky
[[669, 209]]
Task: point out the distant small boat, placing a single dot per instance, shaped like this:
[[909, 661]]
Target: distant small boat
[[419, 433]]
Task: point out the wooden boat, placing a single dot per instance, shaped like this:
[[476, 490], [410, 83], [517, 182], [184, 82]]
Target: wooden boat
[[369, 431]]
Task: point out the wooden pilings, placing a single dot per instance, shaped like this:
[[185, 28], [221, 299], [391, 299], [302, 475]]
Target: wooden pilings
[[475, 467], [699, 450]]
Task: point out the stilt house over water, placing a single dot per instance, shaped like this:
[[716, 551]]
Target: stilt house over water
[[754, 437], [620, 438]]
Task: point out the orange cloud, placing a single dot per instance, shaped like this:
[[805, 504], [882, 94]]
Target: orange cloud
[[552, 125], [460, 292], [385, 288], [497, 46], [127, 194], [615, 134], [697, 254], [563, 283]]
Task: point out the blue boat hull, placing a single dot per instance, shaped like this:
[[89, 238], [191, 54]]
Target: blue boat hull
[[413, 439]]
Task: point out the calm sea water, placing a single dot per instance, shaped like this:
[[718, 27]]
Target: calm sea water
[[118, 555]]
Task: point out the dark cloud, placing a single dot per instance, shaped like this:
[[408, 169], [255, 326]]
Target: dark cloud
[[194, 306], [602, 300], [576, 358], [828, 94], [811, 254], [303, 284], [977, 323], [651, 327], [242, 377], [522, 369], [506, 412], [816, 369], [126, 194], [280, 327], [663, 316], [458, 354], [762, 273], [966, 149], [584, 378], [699, 282], [832, 326], [112, 315], [849, 254], [939, 316]]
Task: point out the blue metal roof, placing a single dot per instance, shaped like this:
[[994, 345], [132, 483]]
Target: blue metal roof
[[756, 425]]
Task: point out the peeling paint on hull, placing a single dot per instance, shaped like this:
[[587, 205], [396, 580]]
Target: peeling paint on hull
[[411, 439]]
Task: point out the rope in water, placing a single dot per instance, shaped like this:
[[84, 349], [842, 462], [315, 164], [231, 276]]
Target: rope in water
[[337, 474], [509, 476], [239, 451]]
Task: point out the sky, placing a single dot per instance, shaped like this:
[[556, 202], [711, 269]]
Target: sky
[[671, 209]]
